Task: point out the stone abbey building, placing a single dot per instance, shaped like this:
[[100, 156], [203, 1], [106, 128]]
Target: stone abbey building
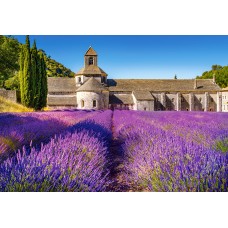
[[91, 89]]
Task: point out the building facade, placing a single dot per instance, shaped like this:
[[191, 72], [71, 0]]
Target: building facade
[[91, 89], [225, 99]]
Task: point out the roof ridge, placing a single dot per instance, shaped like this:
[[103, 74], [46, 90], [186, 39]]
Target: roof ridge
[[90, 51]]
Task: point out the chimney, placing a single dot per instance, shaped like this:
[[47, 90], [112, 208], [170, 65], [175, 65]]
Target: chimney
[[195, 84], [214, 78]]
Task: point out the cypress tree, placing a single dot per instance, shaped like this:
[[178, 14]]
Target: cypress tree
[[43, 82], [21, 74], [33, 77], [27, 74], [35, 60]]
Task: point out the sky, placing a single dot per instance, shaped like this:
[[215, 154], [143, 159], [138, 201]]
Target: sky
[[138, 56]]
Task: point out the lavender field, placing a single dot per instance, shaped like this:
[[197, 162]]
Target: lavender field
[[113, 151]]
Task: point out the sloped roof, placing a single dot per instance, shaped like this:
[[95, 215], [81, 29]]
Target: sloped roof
[[90, 51], [91, 70], [166, 85], [143, 95], [58, 100], [92, 85], [121, 99], [61, 85]]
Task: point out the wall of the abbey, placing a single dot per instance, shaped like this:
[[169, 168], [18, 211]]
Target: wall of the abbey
[[204, 101], [92, 100], [225, 100], [145, 105]]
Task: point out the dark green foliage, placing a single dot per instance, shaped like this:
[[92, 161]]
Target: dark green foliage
[[27, 76], [43, 83], [36, 76], [221, 75], [33, 77]]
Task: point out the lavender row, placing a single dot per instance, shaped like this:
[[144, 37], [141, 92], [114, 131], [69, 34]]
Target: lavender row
[[17, 130], [157, 159], [75, 161]]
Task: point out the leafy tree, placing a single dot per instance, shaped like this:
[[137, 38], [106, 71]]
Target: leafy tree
[[9, 58], [221, 75]]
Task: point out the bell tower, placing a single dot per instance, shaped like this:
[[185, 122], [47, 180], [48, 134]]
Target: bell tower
[[90, 58]]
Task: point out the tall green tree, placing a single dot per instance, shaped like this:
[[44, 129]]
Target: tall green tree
[[43, 82], [35, 60], [21, 74], [27, 76]]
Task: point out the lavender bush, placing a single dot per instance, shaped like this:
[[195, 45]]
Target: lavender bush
[[160, 155], [74, 161], [114, 151]]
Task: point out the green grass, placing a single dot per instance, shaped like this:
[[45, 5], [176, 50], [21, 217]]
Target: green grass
[[9, 106]]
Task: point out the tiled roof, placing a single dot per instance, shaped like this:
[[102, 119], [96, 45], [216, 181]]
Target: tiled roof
[[166, 85], [61, 100], [61, 85], [121, 99], [143, 95], [92, 85], [90, 51], [91, 70], [225, 89]]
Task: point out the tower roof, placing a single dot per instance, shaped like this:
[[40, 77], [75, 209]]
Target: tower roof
[[91, 85], [91, 70], [90, 51]]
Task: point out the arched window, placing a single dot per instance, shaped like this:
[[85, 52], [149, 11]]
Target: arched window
[[91, 61], [82, 103], [94, 103]]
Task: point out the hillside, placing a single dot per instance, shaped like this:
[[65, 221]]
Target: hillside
[[56, 69], [9, 106], [221, 75], [9, 51]]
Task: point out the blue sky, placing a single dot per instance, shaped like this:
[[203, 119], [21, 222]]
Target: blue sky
[[138, 56]]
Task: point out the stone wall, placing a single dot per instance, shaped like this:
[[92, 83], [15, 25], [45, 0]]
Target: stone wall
[[102, 100], [9, 94], [145, 105], [225, 101]]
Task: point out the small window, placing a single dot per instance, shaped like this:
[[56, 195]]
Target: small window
[[200, 99], [172, 99], [82, 103], [91, 61], [94, 103], [144, 108], [79, 79]]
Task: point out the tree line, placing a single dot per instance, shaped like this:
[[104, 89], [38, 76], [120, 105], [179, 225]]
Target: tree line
[[10, 49], [221, 75]]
